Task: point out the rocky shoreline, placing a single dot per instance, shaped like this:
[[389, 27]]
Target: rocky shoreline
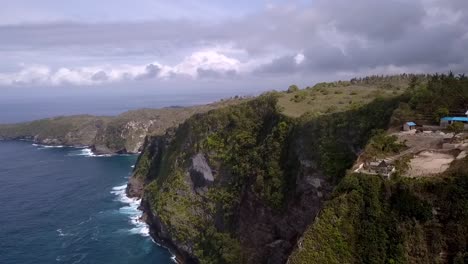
[[96, 150], [157, 230]]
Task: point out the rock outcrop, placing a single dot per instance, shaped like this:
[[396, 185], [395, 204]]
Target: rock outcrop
[[200, 171]]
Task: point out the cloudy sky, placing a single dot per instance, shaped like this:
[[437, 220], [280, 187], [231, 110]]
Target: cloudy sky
[[213, 44]]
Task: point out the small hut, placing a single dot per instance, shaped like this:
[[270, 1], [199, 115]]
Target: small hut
[[409, 126]]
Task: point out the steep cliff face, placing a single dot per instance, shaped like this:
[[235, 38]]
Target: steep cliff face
[[242, 183]]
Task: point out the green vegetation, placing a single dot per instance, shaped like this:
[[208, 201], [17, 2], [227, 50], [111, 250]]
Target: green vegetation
[[255, 150], [370, 220], [402, 165], [246, 142], [441, 112], [382, 145], [438, 95], [456, 128], [447, 91], [68, 129], [335, 137], [299, 96], [122, 133], [293, 88], [327, 98]]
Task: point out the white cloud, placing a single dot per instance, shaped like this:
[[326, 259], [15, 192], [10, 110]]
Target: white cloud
[[206, 60], [285, 40], [27, 74], [213, 61], [299, 58]]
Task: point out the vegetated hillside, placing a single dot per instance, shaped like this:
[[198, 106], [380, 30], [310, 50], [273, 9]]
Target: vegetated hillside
[[405, 220], [371, 220], [437, 96], [240, 184], [124, 133]]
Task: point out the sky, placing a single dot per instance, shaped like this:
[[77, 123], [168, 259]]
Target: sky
[[98, 47]]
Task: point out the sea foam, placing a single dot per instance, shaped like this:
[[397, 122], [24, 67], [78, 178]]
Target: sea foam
[[40, 146], [131, 210], [87, 152]]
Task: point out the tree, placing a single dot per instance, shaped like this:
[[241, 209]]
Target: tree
[[413, 82], [293, 88], [456, 128], [441, 112]]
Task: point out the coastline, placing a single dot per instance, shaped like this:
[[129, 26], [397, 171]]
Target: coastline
[[91, 149], [57, 143], [134, 190]]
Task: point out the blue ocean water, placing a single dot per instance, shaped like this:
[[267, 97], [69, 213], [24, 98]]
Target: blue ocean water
[[61, 205]]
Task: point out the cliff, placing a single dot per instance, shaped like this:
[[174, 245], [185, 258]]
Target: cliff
[[124, 133], [242, 183]]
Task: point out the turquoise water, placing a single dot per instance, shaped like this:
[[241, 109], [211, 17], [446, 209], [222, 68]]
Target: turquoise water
[[62, 205]]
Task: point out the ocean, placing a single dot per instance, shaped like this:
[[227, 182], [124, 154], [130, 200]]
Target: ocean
[[28, 105], [65, 205]]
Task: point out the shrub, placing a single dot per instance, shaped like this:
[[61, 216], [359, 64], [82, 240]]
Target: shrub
[[456, 128], [441, 112], [382, 144], [293, 88], [299, 97], [331, 109]]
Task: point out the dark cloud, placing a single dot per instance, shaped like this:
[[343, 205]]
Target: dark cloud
[[100, 76], [386, 20], [212, 74], [334, 36], [368, 34], [151, 71]]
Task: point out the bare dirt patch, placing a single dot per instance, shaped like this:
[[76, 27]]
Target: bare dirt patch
[[430, 140], [428, 163]]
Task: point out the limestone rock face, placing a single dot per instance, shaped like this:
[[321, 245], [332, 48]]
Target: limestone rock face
[[200, 171]]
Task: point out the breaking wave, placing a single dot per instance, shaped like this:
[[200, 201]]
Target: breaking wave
[[87, 152], [131, 210]]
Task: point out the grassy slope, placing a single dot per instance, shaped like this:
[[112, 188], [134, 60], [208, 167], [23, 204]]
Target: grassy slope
[[326, 98]]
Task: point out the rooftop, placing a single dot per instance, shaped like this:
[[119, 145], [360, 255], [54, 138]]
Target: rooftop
[[456, 118], [411, 123]]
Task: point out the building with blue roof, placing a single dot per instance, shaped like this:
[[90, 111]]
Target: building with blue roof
[[409, 126], [448, 120]]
